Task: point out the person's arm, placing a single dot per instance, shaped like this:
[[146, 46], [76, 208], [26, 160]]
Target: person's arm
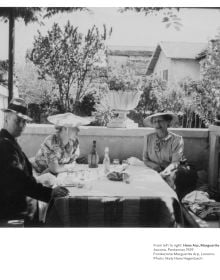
[[177, 155], [52, 154], [56, 168], [17, 181], [146, 159], [76, 151]]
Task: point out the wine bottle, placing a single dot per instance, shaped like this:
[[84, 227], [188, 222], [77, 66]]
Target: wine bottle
[[93, 157]]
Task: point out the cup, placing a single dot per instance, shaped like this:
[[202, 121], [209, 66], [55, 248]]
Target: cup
[[124, 164], [126, 178]]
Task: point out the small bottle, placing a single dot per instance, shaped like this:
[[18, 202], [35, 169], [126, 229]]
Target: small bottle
[[106, 161], [93, 157]]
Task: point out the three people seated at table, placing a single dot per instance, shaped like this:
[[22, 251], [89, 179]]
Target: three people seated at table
[[16, 177], [164, 152]]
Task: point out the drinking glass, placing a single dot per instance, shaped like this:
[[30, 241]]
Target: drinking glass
[[124, 164], [126, 178], [116, 161]]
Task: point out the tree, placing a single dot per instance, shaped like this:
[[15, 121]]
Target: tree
[[31, 88], [28, 15], [10, 14], [206, 92], [68, 59]]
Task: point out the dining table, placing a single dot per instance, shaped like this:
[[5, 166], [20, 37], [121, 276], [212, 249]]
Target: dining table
[[141, 199]]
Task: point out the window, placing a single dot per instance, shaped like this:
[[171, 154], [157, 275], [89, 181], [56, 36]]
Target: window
[[165, 75]]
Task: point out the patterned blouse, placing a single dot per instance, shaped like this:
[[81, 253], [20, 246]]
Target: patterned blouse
[[53, 150], [163, 151]]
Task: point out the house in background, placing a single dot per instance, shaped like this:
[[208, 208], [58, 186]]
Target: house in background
[[173, 61]]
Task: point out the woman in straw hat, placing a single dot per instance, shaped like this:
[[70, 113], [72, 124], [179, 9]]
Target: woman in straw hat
[[59, 151], [163, 152]]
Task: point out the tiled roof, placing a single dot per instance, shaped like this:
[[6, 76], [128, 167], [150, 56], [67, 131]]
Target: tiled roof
[[176, 50]]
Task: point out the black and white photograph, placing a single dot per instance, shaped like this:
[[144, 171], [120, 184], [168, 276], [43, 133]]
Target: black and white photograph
[[109, 139]]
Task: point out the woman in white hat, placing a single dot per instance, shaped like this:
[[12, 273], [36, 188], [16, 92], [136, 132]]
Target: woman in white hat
[[163, 150], [59, 151]]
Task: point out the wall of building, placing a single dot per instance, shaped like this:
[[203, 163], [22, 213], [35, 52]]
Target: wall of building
[[163, 63], [123, 143], [177, 68], [181, 68]]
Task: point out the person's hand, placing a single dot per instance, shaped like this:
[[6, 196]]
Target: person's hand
[[59, 192], [70, 167], [46, 179], [157, 168], [165, 173]]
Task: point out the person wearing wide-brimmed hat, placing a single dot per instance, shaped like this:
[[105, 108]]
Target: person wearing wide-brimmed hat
[[16, 178], [163, 150], [59, 151]]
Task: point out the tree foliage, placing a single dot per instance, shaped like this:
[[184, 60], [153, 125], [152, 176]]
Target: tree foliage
[[170, 17], [122, 78], [30, 87], [70, 59], [35, 14], [27, 14], [3, 71], [206, 92], [158, 96], [50, 11]]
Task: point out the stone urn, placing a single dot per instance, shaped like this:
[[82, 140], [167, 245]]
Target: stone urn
[[121, 102]]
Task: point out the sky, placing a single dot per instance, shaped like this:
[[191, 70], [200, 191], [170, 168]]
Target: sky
[[129, 28]]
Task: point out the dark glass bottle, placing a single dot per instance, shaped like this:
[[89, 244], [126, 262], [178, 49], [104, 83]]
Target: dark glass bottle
[[93, 157]]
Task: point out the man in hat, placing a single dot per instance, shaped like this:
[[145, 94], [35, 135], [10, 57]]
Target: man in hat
[[16, 179]]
